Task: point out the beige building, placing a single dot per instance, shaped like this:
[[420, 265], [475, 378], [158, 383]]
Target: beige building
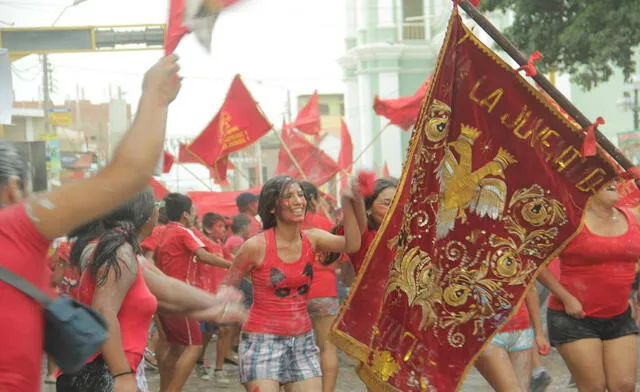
[[331, 111]]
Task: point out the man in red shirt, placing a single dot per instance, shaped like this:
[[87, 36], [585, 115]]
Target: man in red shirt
[[178, 252], [248, 205]]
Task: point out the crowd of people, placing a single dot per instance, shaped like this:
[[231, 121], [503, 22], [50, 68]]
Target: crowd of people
[[167, 279]]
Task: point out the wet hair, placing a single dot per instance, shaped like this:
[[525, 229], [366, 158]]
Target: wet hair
[[209, 220], [381, 185], [121, 227], [239, 222], [12, 164], [244, 200], [83, 236], [175, 205], [271, 192], [310, 189]]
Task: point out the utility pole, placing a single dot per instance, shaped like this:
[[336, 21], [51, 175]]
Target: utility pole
[[46, 89], [289, 117]]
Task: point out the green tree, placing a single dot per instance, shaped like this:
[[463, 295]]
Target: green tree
[[584, 38]]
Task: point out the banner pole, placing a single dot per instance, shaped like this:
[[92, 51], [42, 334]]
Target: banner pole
[[544, 83]]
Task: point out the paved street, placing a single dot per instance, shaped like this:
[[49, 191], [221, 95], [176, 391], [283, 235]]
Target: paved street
[[349, 382]]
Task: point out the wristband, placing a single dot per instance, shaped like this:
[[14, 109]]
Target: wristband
[[122, 374]]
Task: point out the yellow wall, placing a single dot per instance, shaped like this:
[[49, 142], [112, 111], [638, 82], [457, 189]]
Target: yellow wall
[[335, 105]]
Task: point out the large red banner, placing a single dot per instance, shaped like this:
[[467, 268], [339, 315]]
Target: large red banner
[[493, 188]]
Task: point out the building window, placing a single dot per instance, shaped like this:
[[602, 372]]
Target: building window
[[342, 108], [413, 20], [324, 109]]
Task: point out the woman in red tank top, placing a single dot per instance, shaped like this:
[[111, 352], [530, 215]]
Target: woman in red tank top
[[126, 289], [589, 318], [276, 344]]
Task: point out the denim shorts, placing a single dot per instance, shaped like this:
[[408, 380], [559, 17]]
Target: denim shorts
[[285, 359], [514, 340], [566, 329]]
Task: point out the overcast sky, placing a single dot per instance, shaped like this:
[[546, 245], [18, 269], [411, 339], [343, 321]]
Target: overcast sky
[[274, 44]]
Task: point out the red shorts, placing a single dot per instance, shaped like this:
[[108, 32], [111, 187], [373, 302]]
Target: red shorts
[[181, 330]]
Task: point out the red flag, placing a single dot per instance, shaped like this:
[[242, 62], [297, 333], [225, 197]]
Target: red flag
[[223, 203], [385, 170], [492, 189], [402, 111], [238, 124], [345, 158], [185, 156], [198, 16], [159, 191], [317, 167], [167, 162], [308, 120]]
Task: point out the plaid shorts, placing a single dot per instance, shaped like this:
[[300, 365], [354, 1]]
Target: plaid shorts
[[284, 359]]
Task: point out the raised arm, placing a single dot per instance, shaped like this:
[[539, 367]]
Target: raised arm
[[350, 242], [56, 213]]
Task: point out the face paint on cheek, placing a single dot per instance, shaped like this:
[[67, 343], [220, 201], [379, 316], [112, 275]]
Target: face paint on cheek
[[380, 210]]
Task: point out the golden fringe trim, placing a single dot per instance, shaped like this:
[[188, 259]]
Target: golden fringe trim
[[369, 377], [349, 345]]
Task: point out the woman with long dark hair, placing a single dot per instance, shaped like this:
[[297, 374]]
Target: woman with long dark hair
[[277, 346], [27, 227], [126, 289]]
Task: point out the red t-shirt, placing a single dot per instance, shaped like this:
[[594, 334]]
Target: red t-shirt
[[599, 271], [520, 321], [324, 282], [210, 277], [24, 252], [232, 243], [149, 244], [135, 314], [175, 253], [280, 291], [358, 258]]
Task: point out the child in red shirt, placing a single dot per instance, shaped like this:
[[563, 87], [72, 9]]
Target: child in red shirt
[[214, 231]]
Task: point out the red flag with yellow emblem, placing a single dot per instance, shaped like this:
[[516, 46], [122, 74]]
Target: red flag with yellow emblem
[[238, 124], [494, 187]]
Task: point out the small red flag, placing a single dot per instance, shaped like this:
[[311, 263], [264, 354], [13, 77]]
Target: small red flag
[[308, 120], [238, 124], [167, 162], [197, 16], [317, 167], [402, 111], [345, 158], [185, 156]]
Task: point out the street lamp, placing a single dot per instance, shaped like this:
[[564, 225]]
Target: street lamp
[[75, 3], [630, 104]]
